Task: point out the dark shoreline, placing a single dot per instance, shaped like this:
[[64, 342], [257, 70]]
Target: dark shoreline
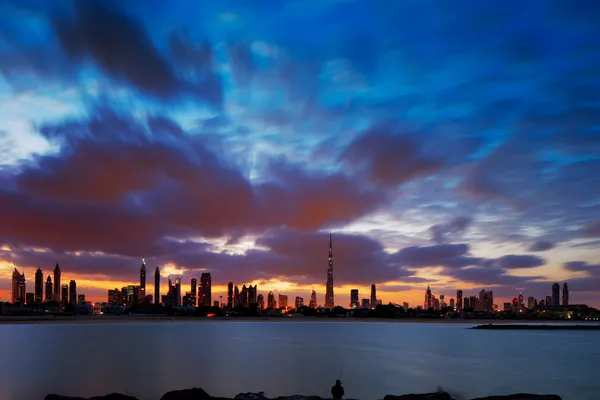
[[527, 327], [199, 394]]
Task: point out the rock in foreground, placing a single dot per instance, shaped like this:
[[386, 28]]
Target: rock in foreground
[[522, 396], [113, 396], [426, 396], [200, 394]]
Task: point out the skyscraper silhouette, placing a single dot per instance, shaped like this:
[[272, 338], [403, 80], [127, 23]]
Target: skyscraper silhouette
[[313, 300], [205, 290], [373, 296], [556, 294], [230, 294], [565, 294], [193, 291], [64, 294], [39, 286], [57, 285], [178, 292], [270, 300], [157, 286], [49, 295], [354, 302], [427, 303], [18, 287], [73, 292], [143, 281], [329, 302], [459, 300]]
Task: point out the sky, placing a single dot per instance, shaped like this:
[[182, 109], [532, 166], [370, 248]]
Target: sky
[[456, 147]]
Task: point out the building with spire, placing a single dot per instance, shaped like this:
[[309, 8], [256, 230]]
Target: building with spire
[[373, 296], [18, 287], [49, 287], [427, 304], [39, 286], [57, 285], [565, 294], [143, 281], [329, 300], [156, 285]]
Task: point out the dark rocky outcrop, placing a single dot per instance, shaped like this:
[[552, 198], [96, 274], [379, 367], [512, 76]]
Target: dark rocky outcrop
[[200, 394], [187, 394], [426, 396], [112, 396], [522, 396]]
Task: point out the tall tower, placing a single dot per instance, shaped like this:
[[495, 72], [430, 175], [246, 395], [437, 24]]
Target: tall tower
[[556, 294], [373, 296], [353, 298], [178, 292], [427, 303], [565, 294], [157, 286], [57, 285], [230, 295], [143, 281], [205, 290], [313, 299], [329, 303], [49, 296], [73, 292], [18, 287], [39, 286], [459, 300], [193, 291]]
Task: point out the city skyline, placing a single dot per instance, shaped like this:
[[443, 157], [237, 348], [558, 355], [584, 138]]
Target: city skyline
[[200, 295], [454, 148]]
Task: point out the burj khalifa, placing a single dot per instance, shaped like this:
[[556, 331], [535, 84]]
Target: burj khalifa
[[329, 290]]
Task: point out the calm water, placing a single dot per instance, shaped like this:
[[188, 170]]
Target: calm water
[[225, 358]]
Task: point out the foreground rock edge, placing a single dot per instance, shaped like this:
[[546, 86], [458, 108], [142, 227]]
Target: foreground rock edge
[[200, 394]]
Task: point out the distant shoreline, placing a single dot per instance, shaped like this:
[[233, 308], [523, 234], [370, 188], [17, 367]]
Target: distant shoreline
[[538, 327], [102, 319]]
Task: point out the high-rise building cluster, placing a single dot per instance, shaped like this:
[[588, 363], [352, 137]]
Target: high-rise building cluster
[[484, 301], [50, 291], [200, 294]]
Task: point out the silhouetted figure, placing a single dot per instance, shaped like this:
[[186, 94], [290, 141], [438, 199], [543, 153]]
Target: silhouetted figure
[[337, 391]]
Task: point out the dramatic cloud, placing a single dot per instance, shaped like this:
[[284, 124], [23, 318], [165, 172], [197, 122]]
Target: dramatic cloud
[[517, 262], [146, 188], [231, 140], [388, 158], [441, 233], [581, 266], [451, 255], [119, 45], [541, 245]]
